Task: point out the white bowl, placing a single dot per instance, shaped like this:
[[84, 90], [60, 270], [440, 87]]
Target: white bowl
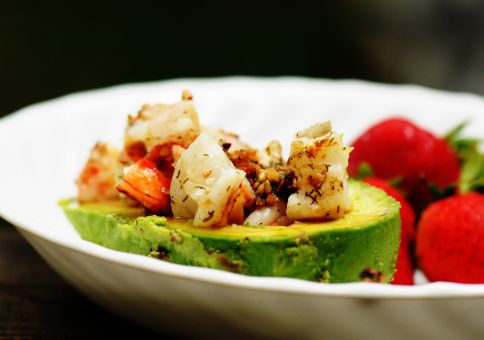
[[43, 146]]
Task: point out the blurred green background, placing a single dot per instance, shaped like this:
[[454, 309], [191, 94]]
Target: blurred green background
[[49, 48]]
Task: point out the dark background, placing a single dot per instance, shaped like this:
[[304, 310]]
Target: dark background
[[50, 48]]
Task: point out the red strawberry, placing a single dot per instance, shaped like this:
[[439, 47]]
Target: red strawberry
[[406, 212], [450, 239], [404, 273], [397, 148]]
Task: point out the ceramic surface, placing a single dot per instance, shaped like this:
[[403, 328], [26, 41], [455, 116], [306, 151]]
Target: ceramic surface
[[44, 146]]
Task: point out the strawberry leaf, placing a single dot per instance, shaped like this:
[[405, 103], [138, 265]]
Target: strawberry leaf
[[439, 193], [472, 173], [470, 157], [455, 132], [464, 147], [395, 182], [364, 171]]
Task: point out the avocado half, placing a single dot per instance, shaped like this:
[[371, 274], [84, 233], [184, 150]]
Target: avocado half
[[366, 238]]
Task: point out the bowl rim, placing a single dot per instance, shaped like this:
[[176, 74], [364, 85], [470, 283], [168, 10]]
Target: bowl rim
[[436, 290]]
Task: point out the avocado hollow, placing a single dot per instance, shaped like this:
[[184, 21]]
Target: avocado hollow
[[367, 237]]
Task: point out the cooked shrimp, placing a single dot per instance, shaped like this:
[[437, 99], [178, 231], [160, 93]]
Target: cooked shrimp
[[97, 179], [165, 156], [144, 183], [273, 215], [161, 124], [229, 140], [207, 187], [319, 160]]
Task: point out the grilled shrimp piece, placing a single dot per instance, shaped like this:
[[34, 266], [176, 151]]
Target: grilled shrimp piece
[[161, 124], [97, 179], [319, 160], [207, 187], [225, 137], [273, 215], [144, 183]]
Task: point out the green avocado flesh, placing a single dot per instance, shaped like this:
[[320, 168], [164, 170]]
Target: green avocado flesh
[[367, 237]]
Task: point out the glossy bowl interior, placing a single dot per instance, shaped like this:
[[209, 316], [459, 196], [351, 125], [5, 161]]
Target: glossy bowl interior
[[44, 146]]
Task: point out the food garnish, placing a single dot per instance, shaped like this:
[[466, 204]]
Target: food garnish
[[189, 194], [171, 165]]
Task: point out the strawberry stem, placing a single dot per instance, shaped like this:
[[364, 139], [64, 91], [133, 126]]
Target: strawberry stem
[[470, 157]]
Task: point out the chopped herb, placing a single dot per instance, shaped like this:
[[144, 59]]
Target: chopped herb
[[313, 195], [175, 237], [209, 217]]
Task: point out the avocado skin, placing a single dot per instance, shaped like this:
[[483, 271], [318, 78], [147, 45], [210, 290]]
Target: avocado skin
[[327, 252]]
